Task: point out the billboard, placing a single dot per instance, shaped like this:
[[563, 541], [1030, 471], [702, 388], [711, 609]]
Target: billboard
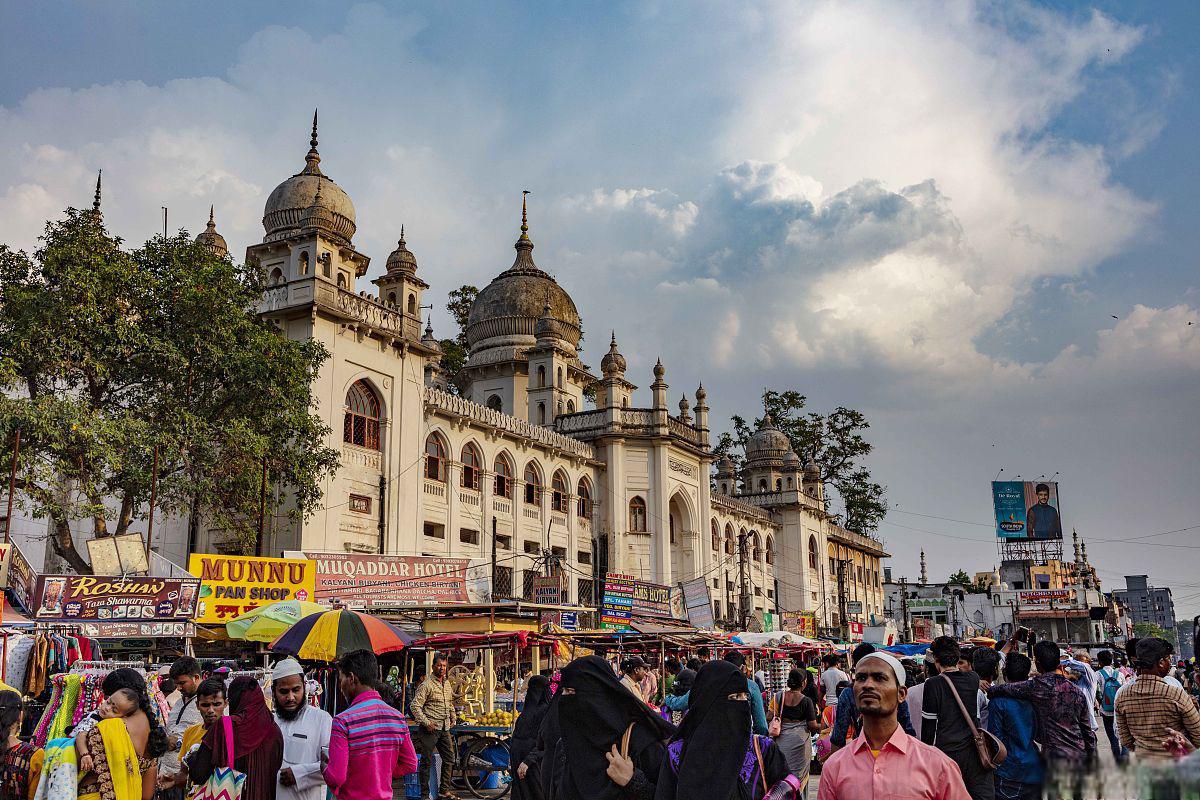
[[232, 585], [1026, 510], [385, 581], [616, 610], [698, 603], [74, 598]]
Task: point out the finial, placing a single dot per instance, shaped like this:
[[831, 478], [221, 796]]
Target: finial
[[401, 242], [313, 142], [429, 326], [524, 215], [613, 343], [313, 159], [96, 198], [212, 215]]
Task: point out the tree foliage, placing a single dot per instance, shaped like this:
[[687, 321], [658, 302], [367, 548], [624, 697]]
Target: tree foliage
[[110, 353], [1144, 629], [833, 442], [456, 350]]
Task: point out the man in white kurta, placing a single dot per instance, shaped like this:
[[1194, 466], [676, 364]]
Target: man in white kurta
[[305, 731]]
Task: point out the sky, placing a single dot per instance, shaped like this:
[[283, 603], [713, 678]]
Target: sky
[[974, 222]]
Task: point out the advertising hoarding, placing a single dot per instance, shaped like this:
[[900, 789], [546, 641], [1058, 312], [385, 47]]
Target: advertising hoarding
[[22, 580], [697, 603], [232, 585], [1032, 599], [616, 609], [1027, 510], [73, 598], [385, 581], [803, 623]]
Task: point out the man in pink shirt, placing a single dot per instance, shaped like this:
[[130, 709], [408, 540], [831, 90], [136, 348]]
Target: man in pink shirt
[[369, 744], [884, 761]]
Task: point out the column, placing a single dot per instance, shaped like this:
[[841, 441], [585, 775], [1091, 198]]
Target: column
[[616, 506], [659, 510]]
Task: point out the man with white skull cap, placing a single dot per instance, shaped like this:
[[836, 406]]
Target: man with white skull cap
[[305, 729], [884, 760]]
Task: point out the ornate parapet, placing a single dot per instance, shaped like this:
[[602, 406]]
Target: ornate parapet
[[735, 506], [375, 316], [629, 422], [865, 544], [453, 405]]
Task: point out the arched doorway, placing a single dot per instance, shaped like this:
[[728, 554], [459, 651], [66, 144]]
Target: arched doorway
[[683, 538]]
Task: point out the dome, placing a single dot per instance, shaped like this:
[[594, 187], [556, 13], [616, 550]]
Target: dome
[[284, 213], [791, 460], [212, 240], [613, 362], [767, 445], [400, 259], [725, 467], [510, 307]]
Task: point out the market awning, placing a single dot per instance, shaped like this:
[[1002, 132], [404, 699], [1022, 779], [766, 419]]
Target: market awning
[[462, 641]]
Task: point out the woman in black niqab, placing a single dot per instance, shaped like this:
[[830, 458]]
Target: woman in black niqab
[[594, 711], [712, 756], [524, 739]]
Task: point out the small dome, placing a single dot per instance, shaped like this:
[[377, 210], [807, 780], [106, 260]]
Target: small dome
[[318, 216], [811, 472], [791, 460], [613, 362], [400, 259], [285, 209], [508, 309], [545, 328], [767, 445], [428, 339], [659, 370], [725, 468], [701, 395], [212, 240]]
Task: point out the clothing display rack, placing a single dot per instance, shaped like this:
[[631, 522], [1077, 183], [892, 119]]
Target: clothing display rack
[[77, 693]]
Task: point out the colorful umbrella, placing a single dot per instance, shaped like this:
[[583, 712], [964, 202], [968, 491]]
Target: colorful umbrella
[[328, 636], [267, 623]]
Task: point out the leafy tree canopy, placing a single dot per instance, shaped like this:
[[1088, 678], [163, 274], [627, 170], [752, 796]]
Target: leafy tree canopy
[[833, 442], [455, 351], [109, 353], [1144, 629]]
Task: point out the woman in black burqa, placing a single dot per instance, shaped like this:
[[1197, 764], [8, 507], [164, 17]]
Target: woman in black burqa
[[594, 711], [526, 783], [712, 755]]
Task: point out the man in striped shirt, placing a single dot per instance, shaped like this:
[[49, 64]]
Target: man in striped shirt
[[370, 739], [1149, 706]]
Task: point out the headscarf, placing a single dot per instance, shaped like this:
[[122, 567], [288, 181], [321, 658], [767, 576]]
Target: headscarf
[[255, 737], [715, 734], [592, 720], [524, 735], [683, 682]]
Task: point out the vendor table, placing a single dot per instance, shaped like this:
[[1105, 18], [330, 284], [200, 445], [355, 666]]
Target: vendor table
[[483, 767]]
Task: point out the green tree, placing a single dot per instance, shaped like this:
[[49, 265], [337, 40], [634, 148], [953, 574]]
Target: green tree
[[962, 578], [456, 350], [833, 442], [111, 353], [1143, 629]]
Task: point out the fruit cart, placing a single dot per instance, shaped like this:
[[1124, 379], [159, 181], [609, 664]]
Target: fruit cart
[[481, 737]]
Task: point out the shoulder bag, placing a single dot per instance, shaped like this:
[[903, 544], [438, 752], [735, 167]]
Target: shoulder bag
[[992, 751], [775, 727], [225, 783], [788, 788]]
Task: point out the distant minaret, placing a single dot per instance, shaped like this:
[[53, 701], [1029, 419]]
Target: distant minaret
[[924, 572], [1075, 539]]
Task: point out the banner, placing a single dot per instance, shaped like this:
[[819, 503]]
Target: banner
[[22, 580], [1044, 598], [127, 630], [616, 610], [803, 623], [548, 590], [89, 597], [1026, 510], [233, 585], [697, 603], [381, 581]]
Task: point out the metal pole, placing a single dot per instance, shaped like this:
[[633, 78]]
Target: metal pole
[[153, 501], [262, 510], [493, 558], [12, 486], [743, 589], [845, 623], [904, 608]]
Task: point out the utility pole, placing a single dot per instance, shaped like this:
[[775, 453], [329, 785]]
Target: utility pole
[[904, 608], [744, 587], [841, 576], [262, 510], [12, 486], [153, 502], [493, 558]]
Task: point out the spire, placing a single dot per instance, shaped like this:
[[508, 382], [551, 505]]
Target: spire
[[312, 161], [401, 242], [212, 222], [524, 245], [924, 572], [96, 198], [210, 238], [524, 215]]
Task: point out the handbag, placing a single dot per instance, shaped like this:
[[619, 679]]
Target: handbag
[[775, 727], [788, 788], [992, 751], [225, 783]]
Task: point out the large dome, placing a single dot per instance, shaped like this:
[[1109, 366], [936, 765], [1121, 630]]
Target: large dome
[[507, 310], [284, 212], [767, 446]]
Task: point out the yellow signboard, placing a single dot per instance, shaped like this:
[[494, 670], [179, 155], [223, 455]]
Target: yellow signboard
[[233, 585]]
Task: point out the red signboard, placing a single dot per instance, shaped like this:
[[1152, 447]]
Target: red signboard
[[371, 580]]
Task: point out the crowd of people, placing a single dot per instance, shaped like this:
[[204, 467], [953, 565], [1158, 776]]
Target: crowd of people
[[1013, 722]]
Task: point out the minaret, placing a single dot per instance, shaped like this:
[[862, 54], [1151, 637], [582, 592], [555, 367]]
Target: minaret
[[924, 572], [1075, 539], [659, 387], [212, 240], [614, 391], [702, 414]]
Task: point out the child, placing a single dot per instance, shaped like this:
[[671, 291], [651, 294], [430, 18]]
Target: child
[[121, 703]]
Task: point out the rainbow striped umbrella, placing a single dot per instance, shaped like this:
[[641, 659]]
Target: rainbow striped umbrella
[[332, 634]]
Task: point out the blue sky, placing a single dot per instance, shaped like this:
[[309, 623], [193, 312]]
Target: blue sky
[[929, 212]]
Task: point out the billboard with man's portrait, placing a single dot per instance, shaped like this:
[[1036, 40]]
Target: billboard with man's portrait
[[1027, 510]]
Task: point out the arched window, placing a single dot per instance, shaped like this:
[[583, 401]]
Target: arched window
[[624, 402], [304, 262], [360, 425], [728, 540], [341, 280], [558, 378], [671, 525], [779, 484], [533, 484], [277, 275], [325, 266], [770, 550], [504, 476], [790, 483], [472, 467], [541, 377], [495, 403], [391, 298], [762, 484], [637, 515], [541, 413], [412, 304], [435, 458], [812, 552], [570, 406], [716, 537], [757, 545], [583, 507], [559, 497]]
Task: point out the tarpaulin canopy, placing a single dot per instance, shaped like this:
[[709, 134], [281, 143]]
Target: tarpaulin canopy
[[908, 649], [463, 641]]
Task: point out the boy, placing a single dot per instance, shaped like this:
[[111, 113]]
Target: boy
[[119, 704]]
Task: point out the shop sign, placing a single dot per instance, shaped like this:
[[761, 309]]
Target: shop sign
[[651, 599], [1045, 597], [698, 603], [802, 623], [616, 610], [568, 620], [856, 631], [232, 585], [854, 607], [22, 580], [129, 630], [547, 590], [768, 622], [5, 550], [365, 581], [92, 597]]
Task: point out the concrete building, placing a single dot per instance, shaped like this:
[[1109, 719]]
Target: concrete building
[[1147, 603]]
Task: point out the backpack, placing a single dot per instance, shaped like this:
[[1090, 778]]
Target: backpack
[[1108, 690]]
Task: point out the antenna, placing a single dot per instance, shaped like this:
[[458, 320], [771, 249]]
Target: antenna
[[997, 475], [164, 210]]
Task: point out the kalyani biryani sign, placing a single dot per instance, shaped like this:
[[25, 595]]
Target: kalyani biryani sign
[[365, 581]]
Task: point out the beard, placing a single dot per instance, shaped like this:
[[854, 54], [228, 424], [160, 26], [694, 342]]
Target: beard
[[289, 714]]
